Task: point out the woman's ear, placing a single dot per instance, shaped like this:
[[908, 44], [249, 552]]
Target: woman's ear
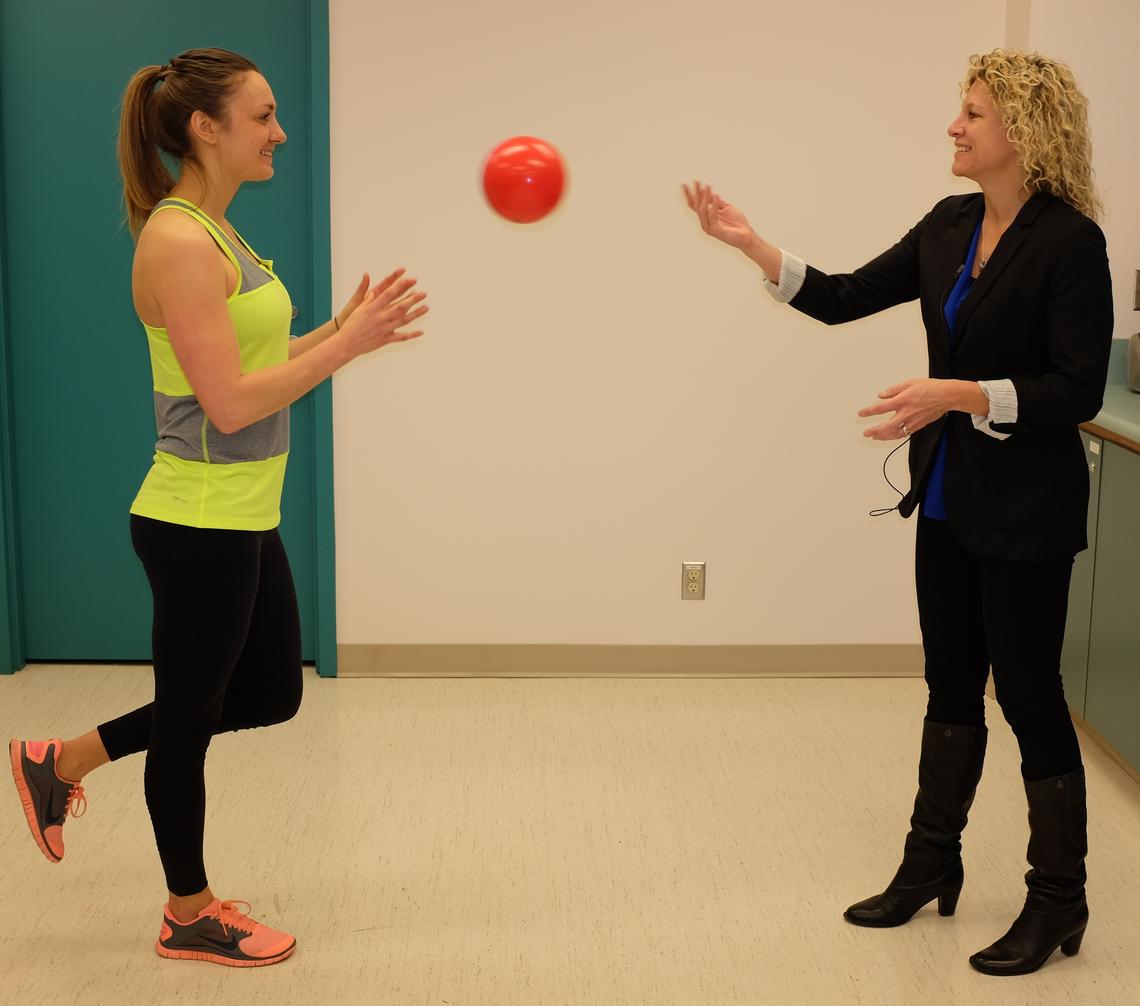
[[202, 128]]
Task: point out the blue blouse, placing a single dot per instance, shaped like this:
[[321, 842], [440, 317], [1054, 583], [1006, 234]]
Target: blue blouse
[[932, 502]]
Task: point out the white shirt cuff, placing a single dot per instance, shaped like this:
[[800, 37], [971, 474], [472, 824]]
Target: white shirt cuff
[[793, 272], [1003, 407]]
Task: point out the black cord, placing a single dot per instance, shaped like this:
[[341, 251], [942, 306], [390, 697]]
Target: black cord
[[884, 512]]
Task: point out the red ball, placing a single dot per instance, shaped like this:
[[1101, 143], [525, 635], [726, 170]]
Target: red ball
[[523, 179]]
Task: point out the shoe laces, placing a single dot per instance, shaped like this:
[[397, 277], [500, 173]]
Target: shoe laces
[[76, 802], [231, 918]]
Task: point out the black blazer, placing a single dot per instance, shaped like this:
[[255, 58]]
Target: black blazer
[[1041, 314]]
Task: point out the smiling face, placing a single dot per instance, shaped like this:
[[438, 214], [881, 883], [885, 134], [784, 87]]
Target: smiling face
[[982, 151], [251, 133]]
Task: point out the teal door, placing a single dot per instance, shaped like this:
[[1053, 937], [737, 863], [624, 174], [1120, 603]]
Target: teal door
[[74, 371]]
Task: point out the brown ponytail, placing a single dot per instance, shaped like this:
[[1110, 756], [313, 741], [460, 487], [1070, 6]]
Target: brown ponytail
[[157, 106]]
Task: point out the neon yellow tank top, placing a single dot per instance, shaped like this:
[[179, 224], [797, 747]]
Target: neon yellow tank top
[[202, 477]]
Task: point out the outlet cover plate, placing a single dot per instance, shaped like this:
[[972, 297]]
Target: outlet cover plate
[[692, 581]]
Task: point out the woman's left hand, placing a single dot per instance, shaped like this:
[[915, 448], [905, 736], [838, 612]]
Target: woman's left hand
[[353, 302], [915, 403]]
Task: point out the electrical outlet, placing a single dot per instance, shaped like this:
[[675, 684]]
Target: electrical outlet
[[692, 581]]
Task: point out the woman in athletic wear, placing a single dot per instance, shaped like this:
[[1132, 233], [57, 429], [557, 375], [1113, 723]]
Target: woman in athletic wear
[[227, 646], [1016, 300]]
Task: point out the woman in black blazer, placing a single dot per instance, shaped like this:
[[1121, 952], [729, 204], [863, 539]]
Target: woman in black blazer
[[1016, 299]]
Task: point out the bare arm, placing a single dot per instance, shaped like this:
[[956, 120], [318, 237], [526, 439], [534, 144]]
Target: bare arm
[[337, 322], [767, 256], [186, 281], [310, 340]]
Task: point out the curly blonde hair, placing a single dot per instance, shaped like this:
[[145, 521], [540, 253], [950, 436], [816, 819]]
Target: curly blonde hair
[[1046, 119]]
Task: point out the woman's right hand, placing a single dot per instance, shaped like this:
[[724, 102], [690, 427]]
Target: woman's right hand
[[383, 316], [721, 220]]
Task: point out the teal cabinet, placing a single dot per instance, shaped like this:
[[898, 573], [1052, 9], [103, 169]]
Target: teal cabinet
[[1112, 694], [1075, 653]]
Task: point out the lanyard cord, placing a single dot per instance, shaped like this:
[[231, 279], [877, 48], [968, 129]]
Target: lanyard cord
[[882, 512]]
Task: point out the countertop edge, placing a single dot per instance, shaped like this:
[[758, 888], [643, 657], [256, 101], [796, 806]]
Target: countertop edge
[[1119, 418]]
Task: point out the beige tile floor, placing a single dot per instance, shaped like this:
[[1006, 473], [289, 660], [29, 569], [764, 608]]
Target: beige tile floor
[[558, 841]]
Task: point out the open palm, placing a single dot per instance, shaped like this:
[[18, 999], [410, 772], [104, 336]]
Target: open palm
[[718, 218]]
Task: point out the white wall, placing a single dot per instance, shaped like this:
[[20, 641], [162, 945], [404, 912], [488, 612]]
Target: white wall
[[1098, 39], [608, 393]]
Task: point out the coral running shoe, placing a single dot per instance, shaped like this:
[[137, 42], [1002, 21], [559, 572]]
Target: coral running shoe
[[47, 797], [223, 935]]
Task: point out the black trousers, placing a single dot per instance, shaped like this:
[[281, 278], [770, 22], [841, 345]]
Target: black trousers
[[227, 656], [979, 613]]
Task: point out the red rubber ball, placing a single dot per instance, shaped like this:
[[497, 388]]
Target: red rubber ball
[[523, 179]]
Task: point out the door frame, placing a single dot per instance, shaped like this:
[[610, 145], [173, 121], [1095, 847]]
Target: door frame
[[12, 650], [324, 511], [11, 622]]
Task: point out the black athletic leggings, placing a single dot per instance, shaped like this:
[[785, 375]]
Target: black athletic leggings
[[227, 656], [976, 613]]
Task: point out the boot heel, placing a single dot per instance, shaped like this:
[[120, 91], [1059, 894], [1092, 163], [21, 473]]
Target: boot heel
[[1072, 946], [948, 901]]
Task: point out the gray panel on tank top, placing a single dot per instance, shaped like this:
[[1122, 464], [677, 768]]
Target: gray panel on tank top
[[180, 418]]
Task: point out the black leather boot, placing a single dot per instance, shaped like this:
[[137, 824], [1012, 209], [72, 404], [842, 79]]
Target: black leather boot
[[949, 768], [1055, 912]]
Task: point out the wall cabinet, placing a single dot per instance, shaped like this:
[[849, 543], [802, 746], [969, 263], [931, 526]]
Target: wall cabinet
[[1112, 690], [1075, 654]]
